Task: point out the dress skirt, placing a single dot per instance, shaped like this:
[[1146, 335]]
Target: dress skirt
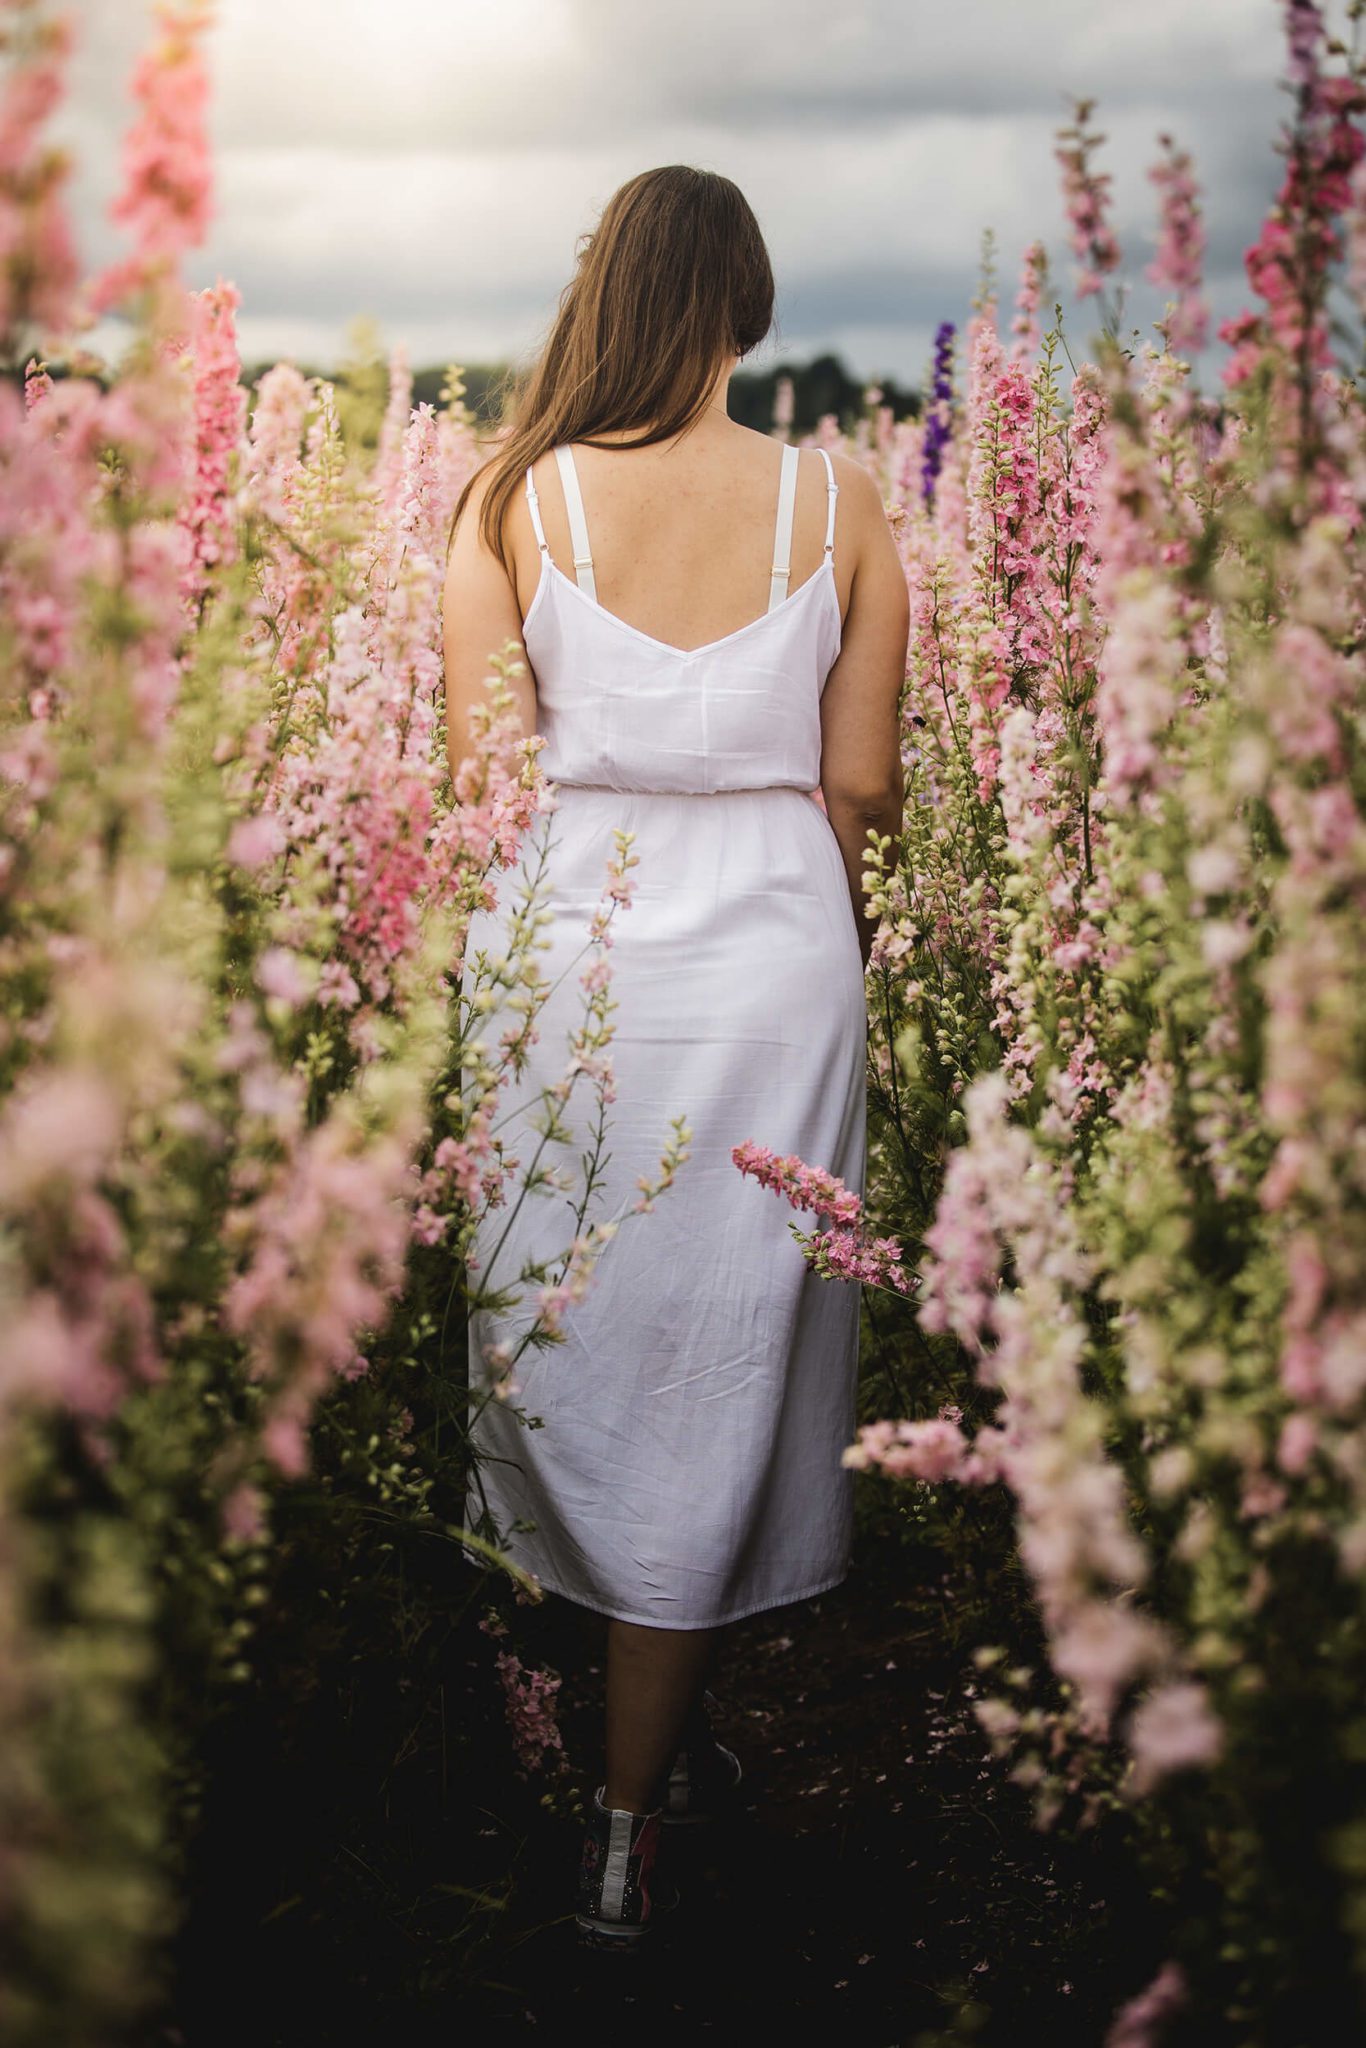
[[684, 1467]]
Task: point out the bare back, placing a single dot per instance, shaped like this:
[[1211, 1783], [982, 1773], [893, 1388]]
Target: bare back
[[682, 531]]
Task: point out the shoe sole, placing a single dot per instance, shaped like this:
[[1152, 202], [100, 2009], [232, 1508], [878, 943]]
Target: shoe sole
[[607, 1934], [612, 1934]]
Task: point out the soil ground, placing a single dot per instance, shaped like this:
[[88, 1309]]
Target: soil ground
[[374, 1870], [883, 1882]]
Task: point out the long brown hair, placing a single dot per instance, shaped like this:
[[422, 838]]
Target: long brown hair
[[674, 277]]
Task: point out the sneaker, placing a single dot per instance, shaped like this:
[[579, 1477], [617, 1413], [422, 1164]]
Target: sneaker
[[705, 1777], [617, 1888]]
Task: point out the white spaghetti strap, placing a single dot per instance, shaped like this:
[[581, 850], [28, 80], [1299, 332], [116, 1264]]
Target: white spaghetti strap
[[782, 534], [833, 491], [533, 500], [578, 525]]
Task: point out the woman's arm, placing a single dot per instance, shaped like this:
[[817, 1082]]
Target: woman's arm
[[862, 781], [480, 614]]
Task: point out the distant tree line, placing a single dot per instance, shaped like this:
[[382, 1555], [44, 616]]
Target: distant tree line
[[819, 387]]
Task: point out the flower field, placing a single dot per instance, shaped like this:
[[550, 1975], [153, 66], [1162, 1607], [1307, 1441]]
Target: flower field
[[1113, 1248]]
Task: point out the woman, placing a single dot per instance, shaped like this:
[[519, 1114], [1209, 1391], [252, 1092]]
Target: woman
[[629, 535]]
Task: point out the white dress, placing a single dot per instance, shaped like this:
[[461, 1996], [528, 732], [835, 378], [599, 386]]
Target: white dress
[[687, 1470]]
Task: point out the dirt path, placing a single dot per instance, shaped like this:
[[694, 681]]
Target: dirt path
[[882, 1877], [371, 1869]]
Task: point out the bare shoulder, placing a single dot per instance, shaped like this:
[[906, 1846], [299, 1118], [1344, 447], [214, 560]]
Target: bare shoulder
[[869, 549], [467, 543], [752, 438], [479, 490], [860, 497]]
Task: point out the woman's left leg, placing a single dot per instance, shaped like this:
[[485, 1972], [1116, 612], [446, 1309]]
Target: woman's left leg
[[655, 1677]]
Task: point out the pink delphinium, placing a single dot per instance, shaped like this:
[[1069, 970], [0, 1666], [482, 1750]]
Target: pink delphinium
[[1024, 326], [83, 1326], [803, 1186], [530, 1697], [365, 797], [37, 384], [1356, 237], [244, 1514], [848, 1249], [1001, 629], [38, 268], [167, 193], [843, 1254], [1180, 257], [207, 513], [1143, 668], [1312, 1105], [556, 1296], [388, 471], [1142, 2023], [1003, 1190], [1289, 264], [1086, 195], [930, 1450], [322, 1250], [460, 448], [49, 543], [405, 577], [362, 801], [1297, 1443], [275, 448]]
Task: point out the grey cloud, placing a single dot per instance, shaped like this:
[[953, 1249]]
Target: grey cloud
[[886, 295], [791, 63], [432, 161]]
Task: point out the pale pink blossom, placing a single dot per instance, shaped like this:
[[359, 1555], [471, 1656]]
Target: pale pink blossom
[[280, 973], [1086, 195], [530, 1697], [1297, 1443], [244, 1514], [1142, 2022], [255, 840], [207, 513], [931, 1450], [1173, 1728], [167, 194], [1179, 261]]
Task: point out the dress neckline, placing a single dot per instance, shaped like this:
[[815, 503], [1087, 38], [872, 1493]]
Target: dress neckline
[[826, 570]]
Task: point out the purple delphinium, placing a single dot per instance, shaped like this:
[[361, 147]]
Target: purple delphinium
[[937, 419]]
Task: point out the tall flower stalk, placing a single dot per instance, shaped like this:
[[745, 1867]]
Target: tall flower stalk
[[236, 1159], [1118, 1088]]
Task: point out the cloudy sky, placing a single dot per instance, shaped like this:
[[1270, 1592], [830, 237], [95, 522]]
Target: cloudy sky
[[431, 162]]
